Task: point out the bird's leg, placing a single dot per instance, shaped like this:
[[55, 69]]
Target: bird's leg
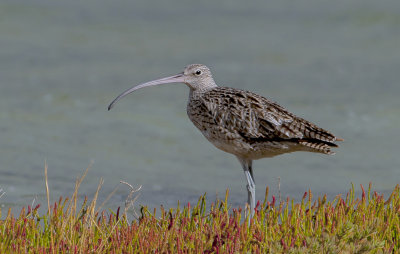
[[251, 186], [251, 192], [250, 166]]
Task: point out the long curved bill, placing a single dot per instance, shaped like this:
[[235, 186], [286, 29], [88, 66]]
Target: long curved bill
[[172, 79]]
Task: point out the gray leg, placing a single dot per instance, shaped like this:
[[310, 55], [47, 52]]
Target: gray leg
[[251, 186]]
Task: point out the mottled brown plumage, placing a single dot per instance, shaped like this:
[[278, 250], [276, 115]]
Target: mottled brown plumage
[[251, 126], [243, 123]]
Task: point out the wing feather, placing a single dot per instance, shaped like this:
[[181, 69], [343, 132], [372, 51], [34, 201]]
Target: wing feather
[[255, 117]]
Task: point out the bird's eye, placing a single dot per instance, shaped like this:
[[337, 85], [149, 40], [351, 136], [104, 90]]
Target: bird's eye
[[198, 72]]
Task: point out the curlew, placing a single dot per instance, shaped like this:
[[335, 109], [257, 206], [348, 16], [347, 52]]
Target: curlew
[[243, 123]]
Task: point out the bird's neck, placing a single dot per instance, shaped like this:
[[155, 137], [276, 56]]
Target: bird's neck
[[200, 90], [195, 93]]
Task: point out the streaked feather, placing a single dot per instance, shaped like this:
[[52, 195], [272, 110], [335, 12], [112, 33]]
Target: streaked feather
[[231, 114]]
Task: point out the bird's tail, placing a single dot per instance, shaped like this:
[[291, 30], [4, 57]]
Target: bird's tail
[[319, 146]]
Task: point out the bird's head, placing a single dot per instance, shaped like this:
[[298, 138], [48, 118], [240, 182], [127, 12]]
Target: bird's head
[[196, 76]]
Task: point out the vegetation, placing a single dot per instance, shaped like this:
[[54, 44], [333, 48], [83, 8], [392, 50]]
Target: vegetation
[[368, 224]]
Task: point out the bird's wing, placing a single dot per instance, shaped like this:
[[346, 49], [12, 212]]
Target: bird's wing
[[255, 117]]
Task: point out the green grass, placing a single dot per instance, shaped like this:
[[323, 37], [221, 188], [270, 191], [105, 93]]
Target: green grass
[[366, 224]]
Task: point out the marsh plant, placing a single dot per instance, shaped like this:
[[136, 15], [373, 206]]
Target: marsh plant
[[366, 224]]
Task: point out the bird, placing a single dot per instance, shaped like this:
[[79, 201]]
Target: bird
[[243, 123]]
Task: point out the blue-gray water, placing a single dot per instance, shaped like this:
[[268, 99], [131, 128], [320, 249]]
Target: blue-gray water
[[335, 63]]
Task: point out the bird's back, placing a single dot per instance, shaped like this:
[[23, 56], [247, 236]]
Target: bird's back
[[249, 125]]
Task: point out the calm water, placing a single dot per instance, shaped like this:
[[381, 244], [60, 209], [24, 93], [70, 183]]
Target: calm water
[[335, 63]]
